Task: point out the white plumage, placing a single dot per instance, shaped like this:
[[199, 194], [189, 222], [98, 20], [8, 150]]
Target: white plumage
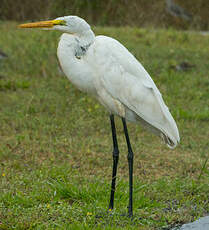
[[103, 67]]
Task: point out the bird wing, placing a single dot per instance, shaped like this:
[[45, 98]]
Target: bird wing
[[126, 80]]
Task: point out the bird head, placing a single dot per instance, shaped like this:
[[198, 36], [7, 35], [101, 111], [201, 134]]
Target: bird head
[[68, 24]]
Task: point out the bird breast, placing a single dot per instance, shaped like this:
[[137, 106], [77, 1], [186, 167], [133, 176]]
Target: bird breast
[[74, 65]]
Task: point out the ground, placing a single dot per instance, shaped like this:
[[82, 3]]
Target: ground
[[56, 146]]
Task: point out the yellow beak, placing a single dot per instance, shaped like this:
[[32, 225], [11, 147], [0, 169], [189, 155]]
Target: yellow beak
[[43, 24]]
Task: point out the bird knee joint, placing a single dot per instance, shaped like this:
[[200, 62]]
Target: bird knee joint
[[130, 156], [115, 153]]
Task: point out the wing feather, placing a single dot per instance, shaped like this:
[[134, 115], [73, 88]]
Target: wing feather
[[126, 80]]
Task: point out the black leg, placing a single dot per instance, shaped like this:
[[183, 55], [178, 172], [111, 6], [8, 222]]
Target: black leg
[[115, 161], [130, 165]]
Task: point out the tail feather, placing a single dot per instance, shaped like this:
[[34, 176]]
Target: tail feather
[[171, 142]]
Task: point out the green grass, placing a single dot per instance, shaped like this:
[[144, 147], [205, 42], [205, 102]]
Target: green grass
[[55, 142]]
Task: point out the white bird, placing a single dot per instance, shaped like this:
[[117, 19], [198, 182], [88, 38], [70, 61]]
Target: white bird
[[104, 68]]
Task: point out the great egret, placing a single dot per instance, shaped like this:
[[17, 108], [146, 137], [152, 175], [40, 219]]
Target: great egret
[[104, 68]]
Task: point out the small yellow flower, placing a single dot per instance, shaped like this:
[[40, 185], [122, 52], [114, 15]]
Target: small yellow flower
[[110, 210], [89, 214], [3, 174]]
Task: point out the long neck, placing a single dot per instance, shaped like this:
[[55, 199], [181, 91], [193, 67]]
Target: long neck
[[86, 38]]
